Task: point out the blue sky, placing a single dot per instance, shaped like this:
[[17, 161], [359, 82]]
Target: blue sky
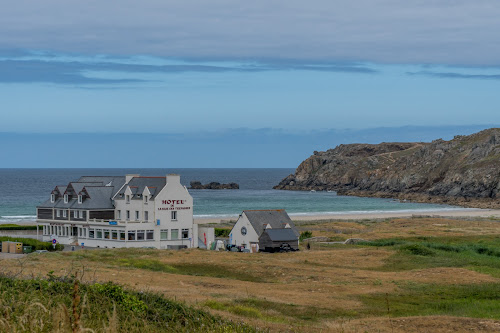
[[181, 68]]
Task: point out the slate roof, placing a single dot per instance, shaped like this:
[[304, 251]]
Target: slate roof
[[281, 235], [116, 181], [137, 185], [276, 218], [100, 198]]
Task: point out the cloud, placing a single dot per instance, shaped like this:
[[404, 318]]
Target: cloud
[[27, 67], [382, 31], [451, 75]]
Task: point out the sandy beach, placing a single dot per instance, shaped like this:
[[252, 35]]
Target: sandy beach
[[465, 213]]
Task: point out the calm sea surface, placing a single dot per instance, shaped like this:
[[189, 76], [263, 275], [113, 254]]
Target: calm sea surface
[[21, 190]]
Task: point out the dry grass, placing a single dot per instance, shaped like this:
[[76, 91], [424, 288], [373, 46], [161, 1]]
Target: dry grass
[[323, 289]]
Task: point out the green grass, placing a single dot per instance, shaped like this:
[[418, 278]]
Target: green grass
[[36, 244], [481, 254], [136, 258], [47, 306], [471, 300], [17, 227], [277, 312]]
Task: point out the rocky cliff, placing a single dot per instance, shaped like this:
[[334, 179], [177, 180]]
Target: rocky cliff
[[464, 171]]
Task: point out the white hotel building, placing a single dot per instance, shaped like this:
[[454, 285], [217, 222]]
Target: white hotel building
[[123, 211]]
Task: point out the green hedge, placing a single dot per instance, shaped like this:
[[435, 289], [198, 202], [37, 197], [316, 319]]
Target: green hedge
[[220, 232], [17, 227], [36, 244]]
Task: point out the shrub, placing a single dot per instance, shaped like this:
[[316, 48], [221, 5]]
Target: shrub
[[305, 235], [36, 244], [220, 232], [417, 249]]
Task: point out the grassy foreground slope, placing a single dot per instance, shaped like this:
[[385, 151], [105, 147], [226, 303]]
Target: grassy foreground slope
[[63, 305]]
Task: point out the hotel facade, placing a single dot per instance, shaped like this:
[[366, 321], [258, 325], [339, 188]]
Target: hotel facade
[[120, 211]]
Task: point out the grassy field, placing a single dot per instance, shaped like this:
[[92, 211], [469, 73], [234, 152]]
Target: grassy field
[[411, 275]]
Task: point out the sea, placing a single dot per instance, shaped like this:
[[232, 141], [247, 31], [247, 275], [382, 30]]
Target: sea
[[21, 190]]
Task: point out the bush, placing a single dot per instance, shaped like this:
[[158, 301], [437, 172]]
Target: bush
[[17, 227], [220, 232], [305, 235], [36, 244], [417, 249]]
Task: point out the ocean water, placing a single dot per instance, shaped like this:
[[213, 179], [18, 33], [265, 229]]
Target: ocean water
[[21, 190]]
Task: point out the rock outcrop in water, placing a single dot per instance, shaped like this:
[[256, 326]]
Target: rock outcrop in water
[[196, 185], [464, 171]]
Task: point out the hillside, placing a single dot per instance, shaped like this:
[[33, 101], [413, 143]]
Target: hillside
[[463, 171]]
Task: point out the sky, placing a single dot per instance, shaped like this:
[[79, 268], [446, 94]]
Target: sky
[[267, 79]]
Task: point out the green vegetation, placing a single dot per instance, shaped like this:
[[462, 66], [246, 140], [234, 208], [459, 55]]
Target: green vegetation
[[276, 311], [412, 299], [478, 254], [36, 244], [134, 258], [222, 232], [305, 235], [63, 305], [17, 227]]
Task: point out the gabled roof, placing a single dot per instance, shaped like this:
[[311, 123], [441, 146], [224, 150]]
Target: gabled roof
[[99, 198], [137, 185], [281, 235], [276, 218], [78, 186]]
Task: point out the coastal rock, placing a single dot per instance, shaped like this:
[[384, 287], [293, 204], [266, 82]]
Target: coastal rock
[[464, 171], [196, 185]]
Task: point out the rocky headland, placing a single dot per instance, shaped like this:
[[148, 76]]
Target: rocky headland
[[464, 171], [196, 185]]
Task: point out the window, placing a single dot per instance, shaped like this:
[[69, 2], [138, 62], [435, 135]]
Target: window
[[64, 213], [75, 214], [106, 234], [128, 198], [122, 235], [185, 233], [91, 233], [98, 233], [150, 234], [84, 233], [114, 234], [174, 234], [174, 215], [58, 213], [81, 214], [146, 215], [131, 235], [145, 199], [65, 198], [164, 234], [118, 214], [137, 215], [80, 198], [140, 235], [128, 215], [52, 197]]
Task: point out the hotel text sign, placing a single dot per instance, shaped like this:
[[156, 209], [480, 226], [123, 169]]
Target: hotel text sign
[[172, 205]]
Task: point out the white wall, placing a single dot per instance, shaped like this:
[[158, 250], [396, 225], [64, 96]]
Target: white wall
[[237, 238]]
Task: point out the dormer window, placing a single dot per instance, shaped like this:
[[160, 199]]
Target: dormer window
[[146, 199], [128, 198], [52, 198], [80, 198], [65, 198]]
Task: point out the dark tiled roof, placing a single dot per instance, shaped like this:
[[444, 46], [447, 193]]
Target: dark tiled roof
[[276, 218], [137, 185], [100, 198], [116, 181], [281, 235]]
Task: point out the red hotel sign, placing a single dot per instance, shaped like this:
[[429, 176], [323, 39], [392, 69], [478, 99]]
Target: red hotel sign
[[172, 204]]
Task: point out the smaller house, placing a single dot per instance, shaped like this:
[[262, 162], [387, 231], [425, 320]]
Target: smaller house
[[264, 230]]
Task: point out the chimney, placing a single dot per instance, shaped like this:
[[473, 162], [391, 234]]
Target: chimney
[[128, 178], [172, 178]]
